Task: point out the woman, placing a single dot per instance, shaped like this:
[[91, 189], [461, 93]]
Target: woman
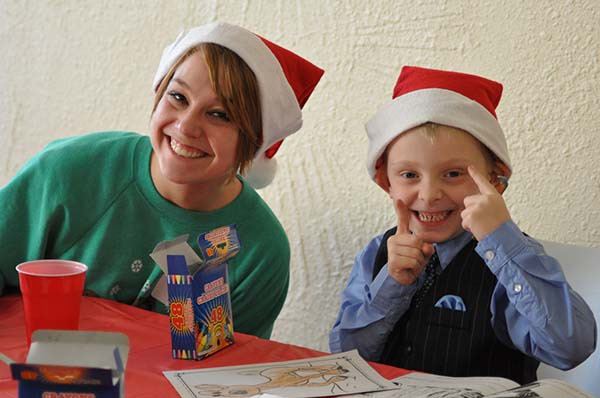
[[224, 99]]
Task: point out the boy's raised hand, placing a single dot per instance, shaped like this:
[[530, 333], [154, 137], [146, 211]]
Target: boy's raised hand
[[485, 211], [407, 253]]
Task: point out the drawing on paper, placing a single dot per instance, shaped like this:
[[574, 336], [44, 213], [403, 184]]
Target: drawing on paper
[[526, 391], [425, 391], [282, 377], [345, 373]]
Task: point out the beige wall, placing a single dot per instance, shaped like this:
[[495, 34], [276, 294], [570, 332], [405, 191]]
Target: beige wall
[[76, 66]]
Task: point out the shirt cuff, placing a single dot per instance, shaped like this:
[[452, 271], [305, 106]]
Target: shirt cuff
[[506, 251], [498, 247]]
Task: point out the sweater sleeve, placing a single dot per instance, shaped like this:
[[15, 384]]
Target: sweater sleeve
[[58, 196], [30, 218], [260, 295]]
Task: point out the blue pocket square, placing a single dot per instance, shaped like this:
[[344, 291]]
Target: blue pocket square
[[451, 302]]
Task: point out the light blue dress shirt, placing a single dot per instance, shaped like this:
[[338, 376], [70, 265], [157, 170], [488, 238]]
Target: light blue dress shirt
[[533, 307]]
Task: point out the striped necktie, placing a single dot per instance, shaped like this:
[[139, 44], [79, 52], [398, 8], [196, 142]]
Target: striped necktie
[[432, 269]]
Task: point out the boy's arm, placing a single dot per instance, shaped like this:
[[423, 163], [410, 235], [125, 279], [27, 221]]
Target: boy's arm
[[533, 306], [369, 307]]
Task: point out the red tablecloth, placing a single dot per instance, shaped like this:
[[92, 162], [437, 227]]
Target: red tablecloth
[[150, 346]]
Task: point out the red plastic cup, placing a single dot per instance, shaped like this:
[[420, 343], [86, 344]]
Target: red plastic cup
[[51, 291]]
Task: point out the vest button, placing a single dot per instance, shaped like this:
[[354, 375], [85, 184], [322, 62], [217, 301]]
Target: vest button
[[408, 349]]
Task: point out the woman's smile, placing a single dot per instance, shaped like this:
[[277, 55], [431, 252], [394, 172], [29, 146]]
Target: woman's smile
[[186, 151]]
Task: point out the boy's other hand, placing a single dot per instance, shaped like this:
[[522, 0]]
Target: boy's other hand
[[407, 253], [485, 211]]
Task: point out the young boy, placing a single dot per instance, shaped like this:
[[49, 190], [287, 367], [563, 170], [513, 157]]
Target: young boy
[[456, 288]]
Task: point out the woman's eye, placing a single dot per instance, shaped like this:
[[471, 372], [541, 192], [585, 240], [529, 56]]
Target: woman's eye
[[220, 115], [177, 96]]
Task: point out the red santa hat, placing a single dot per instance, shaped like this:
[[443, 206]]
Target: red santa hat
[[285, 82], [454, 99]]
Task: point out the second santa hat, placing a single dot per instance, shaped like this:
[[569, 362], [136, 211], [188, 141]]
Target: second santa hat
[[285, 82], [454, 99]]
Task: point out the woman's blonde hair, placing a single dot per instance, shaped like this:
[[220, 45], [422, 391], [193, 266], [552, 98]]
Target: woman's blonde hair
[[237, 88]]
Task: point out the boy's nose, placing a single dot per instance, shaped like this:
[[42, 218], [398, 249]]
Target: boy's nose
[[429, 192]]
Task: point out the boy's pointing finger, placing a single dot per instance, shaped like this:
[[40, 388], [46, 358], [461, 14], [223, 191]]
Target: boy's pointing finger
[[402, 216], [482, 183]]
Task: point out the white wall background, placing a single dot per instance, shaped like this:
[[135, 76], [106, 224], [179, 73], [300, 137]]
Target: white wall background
[[69, 67]]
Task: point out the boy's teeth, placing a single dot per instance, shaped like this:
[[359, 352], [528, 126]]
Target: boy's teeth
[[433, 217], [181, 151]]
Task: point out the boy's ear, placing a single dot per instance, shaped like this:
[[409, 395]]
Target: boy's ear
[[499, 176], [381, 177]]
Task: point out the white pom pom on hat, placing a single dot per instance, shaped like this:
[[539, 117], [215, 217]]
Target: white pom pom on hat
[[262, 172], [285, 82], [454, 99]]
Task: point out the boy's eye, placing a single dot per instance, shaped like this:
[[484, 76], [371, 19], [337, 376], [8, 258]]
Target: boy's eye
[[408, 174], [219, 115], [454, 173]]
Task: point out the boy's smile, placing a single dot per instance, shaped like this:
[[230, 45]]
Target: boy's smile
[[428, 172], [430, 218]]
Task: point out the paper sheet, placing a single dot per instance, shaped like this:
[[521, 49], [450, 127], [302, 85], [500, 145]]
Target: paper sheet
[[344, 373]]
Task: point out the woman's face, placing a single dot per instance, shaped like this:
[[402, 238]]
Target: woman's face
[[194, 140]]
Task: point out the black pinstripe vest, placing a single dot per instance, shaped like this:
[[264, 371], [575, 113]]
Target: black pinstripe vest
[[454, 343]]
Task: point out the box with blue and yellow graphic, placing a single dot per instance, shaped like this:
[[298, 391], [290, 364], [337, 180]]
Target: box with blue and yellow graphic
[[199, 302]]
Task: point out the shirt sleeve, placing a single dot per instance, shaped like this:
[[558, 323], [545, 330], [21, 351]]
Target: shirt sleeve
[[533, 306], [369, 307]]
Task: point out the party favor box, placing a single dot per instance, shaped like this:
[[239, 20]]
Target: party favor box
[[199, 301], [73, 364]]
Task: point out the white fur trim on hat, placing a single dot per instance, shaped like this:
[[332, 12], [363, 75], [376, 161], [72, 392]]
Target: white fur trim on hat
[[281, 114], [438, 106], [261, 172]]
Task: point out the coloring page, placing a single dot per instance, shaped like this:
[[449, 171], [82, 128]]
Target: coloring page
[[421, 385], [343, 373]]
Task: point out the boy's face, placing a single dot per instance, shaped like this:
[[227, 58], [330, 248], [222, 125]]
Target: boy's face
[[429, 174]]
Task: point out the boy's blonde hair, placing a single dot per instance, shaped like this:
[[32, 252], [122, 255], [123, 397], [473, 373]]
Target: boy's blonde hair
[[431, 130], [237, 88]]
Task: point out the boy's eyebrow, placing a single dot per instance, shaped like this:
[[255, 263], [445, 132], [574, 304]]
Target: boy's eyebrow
[[458, 160], [409, 163], [402, 163]]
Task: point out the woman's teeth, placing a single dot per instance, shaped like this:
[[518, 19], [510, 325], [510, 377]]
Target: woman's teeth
[[433, 217], [180, 150]]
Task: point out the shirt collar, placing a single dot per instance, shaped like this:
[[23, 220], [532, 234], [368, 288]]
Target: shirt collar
[[447, 250]]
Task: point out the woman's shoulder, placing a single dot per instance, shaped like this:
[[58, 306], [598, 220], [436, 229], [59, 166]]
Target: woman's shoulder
[[95, 142], [95, 158], [99, 150]]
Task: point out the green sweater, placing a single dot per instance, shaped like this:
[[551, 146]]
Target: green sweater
[[91, 199]]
